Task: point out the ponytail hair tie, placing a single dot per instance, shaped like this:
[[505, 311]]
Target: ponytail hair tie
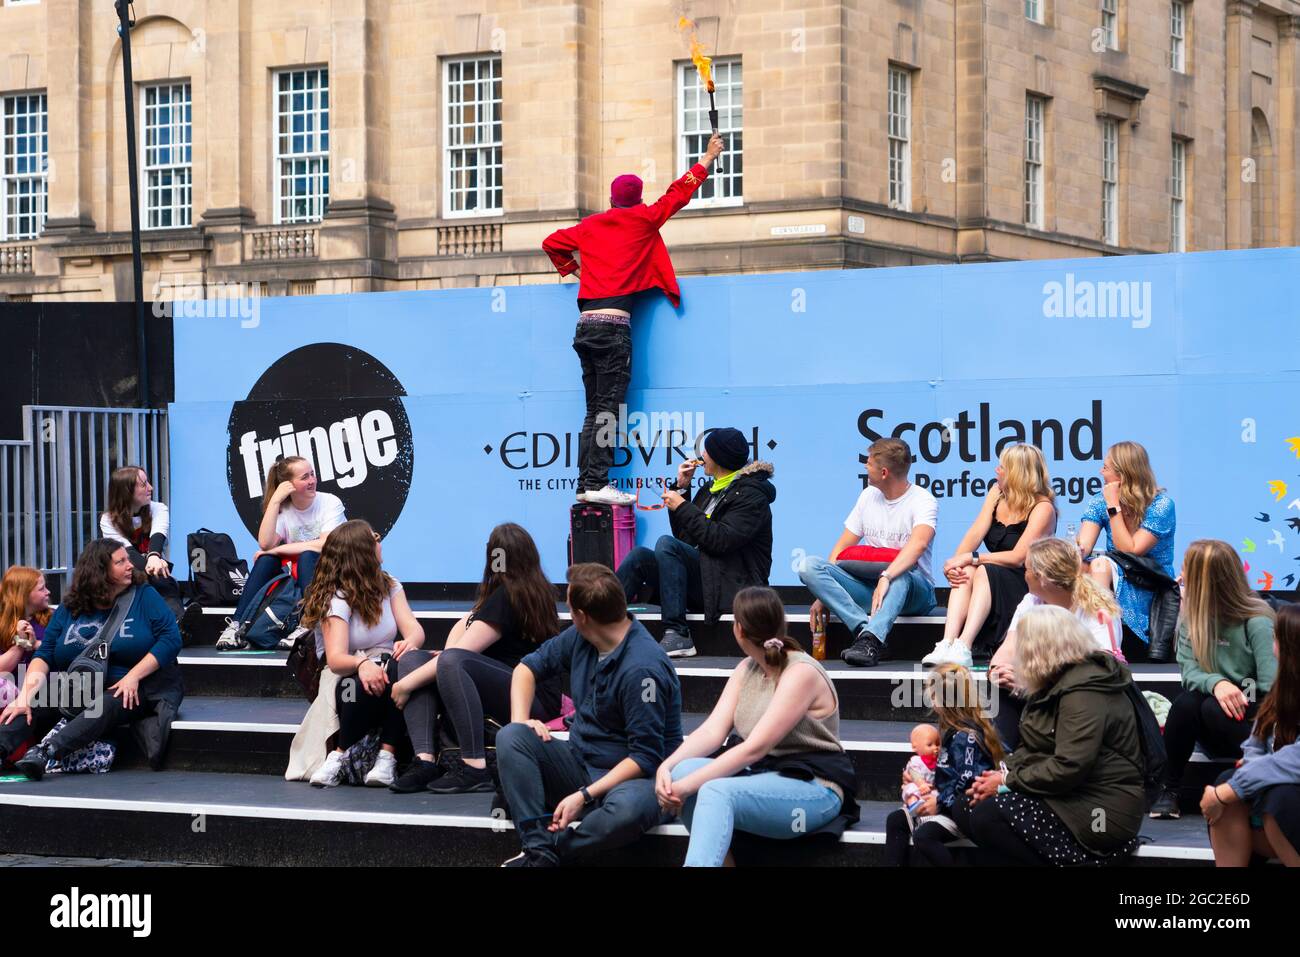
[[774, 643]]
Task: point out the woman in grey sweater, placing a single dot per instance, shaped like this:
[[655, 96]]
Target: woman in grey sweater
[[1255, 808]]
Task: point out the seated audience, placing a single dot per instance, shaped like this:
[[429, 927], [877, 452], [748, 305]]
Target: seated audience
[[1139, 519], [24, 613], [295, 520], [1225, 654], [1055, 576], [1254, 809], [141, 685], [890, 514], [1075, 785], [786, 755], [469, 681], [142, 525], [363, 622], [969, 747], [721, 541], [628, 718], [986, 588]]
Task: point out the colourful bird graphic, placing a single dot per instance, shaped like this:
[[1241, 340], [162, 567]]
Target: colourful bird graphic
[[1277, 488], [1262, 517], [1293, 444], [1294, 523], [1290, 580], [1248, 545], [1277, 540], [1294, 504], [1266, 582]]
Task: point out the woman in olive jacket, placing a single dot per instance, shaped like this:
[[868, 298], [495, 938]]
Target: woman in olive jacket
[[1072, 793]]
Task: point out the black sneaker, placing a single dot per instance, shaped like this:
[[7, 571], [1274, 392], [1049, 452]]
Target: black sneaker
[[32, 764], [463, 779], [1165, 807], [865, 652], [419, 774], [529, 859], [677, 645]]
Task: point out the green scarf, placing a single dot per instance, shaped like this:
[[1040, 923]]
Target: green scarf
[[722, 482]]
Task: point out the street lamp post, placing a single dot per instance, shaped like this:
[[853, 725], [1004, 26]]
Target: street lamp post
[[133, 180]]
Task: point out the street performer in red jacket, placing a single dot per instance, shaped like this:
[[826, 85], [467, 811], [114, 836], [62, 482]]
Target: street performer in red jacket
[[621, 254]]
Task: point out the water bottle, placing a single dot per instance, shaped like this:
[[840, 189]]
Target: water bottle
[[818, 630]]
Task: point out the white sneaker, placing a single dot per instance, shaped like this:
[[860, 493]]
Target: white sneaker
[[582, 497], [288, 641], [940, 653], [229, 639], [384, 772], [329, 774], [958, 654], [610, 496]]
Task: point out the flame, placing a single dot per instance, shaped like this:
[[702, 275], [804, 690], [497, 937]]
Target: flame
[[702, 63]]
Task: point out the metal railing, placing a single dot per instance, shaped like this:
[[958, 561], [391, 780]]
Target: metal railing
[[54, 481]]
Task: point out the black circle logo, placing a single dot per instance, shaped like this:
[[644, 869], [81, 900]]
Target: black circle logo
[[338, 407]]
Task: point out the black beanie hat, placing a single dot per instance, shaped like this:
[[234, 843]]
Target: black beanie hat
[[728, 448]]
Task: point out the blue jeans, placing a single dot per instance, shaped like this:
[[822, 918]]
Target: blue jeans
[[850, 598], [268, 567], [766, 804], [670, 575]]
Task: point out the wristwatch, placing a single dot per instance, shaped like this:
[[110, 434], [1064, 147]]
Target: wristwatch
[[1112, 511], [975, 558], [587, 799]]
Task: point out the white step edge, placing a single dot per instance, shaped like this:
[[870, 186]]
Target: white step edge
[[454, 615], [35, 799]]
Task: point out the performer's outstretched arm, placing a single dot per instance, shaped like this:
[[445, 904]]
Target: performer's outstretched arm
[[680, 192]]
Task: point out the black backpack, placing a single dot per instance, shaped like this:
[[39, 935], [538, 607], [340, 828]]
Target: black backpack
[[216, 570], [1154, 757]]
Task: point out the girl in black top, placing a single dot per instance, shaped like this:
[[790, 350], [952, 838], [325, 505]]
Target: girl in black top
[[470, 679]]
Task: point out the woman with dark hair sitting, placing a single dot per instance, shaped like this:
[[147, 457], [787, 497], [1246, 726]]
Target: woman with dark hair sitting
[[784, 709], [364, 626], [1255, 808], [135, 520], [470, 680], [142, 680]]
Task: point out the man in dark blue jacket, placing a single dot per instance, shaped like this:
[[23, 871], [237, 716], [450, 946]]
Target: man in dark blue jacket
[[628, 719]]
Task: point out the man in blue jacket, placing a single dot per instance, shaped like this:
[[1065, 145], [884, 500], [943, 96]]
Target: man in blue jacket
[[628, 719]]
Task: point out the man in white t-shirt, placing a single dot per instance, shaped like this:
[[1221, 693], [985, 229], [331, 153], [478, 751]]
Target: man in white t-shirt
[[890, 513]]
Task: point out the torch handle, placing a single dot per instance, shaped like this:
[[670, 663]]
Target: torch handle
[[713, 121]]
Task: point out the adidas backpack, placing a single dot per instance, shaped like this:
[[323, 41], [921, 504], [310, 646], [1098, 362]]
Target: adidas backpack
[[216, 570]]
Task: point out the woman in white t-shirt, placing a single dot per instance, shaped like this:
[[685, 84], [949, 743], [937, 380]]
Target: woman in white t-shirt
[[135, 520], [1055, 576], [295, 520], [363, 625]]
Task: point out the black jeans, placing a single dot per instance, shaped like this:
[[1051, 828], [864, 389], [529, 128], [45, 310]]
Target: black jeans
[[1196, 716], [361, 712], [670, 575], [470, 688], [929, 842], [93, 724], [605, 351], [536, 775]]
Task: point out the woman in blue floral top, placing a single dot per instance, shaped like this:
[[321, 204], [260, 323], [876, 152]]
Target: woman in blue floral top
[[1138, 518]]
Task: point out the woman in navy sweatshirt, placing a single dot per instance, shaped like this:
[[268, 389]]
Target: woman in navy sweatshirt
[[142, 684]]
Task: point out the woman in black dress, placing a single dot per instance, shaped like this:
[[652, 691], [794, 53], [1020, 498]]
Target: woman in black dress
[[987, 586]]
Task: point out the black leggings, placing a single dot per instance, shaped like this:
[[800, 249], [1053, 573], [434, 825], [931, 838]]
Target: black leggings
[[1196, 716], [929, 847], [997, 839], [470, 688], [361, 712], [1006, 721]]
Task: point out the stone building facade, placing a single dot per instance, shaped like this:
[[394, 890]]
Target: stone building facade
[[328, 146]]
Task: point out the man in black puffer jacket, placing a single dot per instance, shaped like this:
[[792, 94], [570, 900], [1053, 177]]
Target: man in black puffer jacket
[[721, 541]]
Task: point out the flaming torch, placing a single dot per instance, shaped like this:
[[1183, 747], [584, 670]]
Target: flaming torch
[[704, 66]]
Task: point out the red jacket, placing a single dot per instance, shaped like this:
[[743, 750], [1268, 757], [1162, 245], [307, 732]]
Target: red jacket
[[621, 249]]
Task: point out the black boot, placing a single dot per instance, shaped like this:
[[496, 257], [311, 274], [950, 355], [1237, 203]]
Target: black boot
[[32, 764]]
